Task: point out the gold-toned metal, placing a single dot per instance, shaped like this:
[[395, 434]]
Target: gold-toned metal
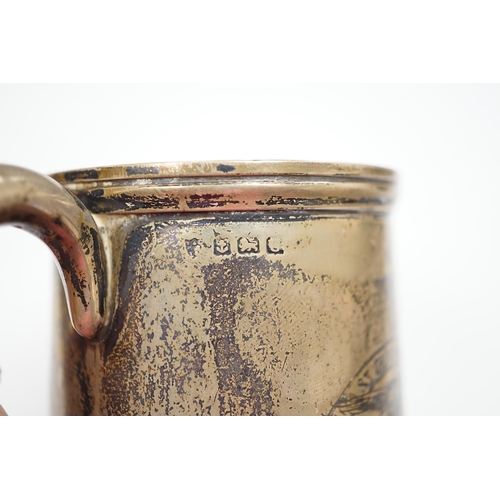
[[235, 288], [199, 169], [230, 186]]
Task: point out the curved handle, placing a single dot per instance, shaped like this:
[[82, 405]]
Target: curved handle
[[44, 208]]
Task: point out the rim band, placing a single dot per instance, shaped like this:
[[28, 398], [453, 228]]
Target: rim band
[[231, 186]]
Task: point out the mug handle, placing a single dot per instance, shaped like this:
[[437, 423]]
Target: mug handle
[[41, 206]]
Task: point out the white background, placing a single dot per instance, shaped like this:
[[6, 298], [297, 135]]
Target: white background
[[443, 140]]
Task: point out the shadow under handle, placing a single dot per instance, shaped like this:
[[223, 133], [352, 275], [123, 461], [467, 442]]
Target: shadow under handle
[[43, 207]]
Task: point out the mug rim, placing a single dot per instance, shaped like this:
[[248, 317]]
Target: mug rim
[[224, 169], [231, 186]]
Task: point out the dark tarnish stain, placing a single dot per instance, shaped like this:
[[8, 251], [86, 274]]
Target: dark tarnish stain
[[76, 381], [179, 360], [83, 381], [68, 266], [243, 389], [138, 170], [118, 363], [208, 201], [225, 168], [81, 175], [226, 339], [78, 202], [90, 242], [101, 284], [85, 239], [279, 200], [96, 202], [129, 263]]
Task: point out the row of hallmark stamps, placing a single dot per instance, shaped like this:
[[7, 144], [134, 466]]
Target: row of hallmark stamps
[[247, 245]]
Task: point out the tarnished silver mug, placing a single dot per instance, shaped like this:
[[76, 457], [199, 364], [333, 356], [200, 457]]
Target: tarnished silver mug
[[217, 288]]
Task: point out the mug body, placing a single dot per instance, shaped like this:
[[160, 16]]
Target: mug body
[[261, 290]]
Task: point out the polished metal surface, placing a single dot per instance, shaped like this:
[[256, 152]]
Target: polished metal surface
[[234, 288]]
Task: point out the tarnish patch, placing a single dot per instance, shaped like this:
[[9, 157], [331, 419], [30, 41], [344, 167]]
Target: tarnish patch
[[225, 168], [306, 202], [80, 175], [197, 201], [141, 170], [222, 316], [98, 203], [243, 388]]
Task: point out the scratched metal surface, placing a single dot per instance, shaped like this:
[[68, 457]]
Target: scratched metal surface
[[252, 313]]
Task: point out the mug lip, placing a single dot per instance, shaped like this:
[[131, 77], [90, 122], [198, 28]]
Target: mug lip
[[226, 169], [231, 186]]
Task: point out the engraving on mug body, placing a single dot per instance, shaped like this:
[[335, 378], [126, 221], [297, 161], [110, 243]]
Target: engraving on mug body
[[277, 314]]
